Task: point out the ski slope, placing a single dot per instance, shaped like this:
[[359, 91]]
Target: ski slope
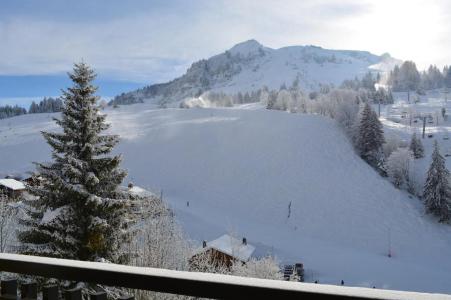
[[240, 168]]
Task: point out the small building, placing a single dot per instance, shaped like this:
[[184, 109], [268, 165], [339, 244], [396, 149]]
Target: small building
[[11, 187], [31, 180], [28, 178], [225, 250]]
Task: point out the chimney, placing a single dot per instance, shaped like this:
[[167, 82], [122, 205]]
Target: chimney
[[204, 244], [244, 241]]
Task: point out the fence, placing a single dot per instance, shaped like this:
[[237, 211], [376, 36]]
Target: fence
[[176, 282]]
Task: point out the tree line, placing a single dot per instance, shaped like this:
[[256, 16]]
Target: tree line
[[9, 111], [47, 105], [406, 77]]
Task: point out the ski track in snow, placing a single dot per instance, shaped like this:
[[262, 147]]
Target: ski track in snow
[[240, 168]]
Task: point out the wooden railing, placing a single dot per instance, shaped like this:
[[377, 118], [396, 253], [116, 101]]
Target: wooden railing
[[176, 282]]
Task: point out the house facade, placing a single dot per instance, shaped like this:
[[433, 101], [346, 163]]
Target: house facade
[[224, 251], [12, 187]]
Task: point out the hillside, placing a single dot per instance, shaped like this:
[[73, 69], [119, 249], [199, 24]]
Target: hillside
[[240, 168], [249, 66]]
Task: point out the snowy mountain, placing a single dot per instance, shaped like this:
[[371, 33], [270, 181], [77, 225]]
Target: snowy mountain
[[290, 183], [249, 66]]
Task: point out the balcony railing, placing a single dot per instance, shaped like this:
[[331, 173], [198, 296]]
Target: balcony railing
[[185, 283]]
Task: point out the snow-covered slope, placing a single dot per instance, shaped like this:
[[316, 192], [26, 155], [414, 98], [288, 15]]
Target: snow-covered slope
[[239, 169], [249, 66]]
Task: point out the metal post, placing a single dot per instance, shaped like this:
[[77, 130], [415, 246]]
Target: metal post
[[389, 243], [73, 294], [9, 289], [29, 291], [424, 126], [98, 296], [50, 292], [379, 107]]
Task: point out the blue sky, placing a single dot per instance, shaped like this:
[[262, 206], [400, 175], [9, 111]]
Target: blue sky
[[136, 42]]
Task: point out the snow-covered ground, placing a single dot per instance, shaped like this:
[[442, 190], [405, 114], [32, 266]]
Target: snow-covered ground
[[240, 169], [402, 119]]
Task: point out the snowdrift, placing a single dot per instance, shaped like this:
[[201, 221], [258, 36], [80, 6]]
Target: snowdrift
[[290, 183]]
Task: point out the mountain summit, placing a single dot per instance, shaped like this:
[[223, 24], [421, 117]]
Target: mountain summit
[[246, 48], [249, 66]]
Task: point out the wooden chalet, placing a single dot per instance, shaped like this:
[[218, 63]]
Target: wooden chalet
[[12, 187], [224, 251]]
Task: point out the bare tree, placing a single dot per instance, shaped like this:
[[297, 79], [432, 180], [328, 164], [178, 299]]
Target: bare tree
[[157, 241], [266, 268], [8, 224]]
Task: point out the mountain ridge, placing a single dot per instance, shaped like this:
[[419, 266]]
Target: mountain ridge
[[249, 65]]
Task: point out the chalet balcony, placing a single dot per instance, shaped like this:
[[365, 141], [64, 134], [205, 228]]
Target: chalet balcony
[[175, 282]]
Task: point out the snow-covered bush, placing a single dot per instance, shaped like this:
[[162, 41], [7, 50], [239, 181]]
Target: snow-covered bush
[[283, 101], [157, 241], [266, 268], [340, 97], [292, 99], [399, 165], [392, 143], [203, 262], [347, 114]]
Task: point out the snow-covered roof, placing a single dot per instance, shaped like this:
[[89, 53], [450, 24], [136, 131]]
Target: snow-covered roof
[[231, 246], [12, 184], [138, 191]]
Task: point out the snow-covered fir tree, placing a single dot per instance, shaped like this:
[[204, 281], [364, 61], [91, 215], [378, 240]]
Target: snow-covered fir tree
[[416, 146], [437, 193], [370, 137], [78, 212]]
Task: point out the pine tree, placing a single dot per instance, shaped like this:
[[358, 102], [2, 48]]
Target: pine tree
[[436, 189], [416, 146], [370, 138], [78, 211], [33, 108]]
